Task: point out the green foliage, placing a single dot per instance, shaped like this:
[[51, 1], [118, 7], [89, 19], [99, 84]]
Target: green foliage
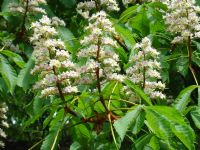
[[25, 78], [138, 91], [118, 122], [183, 98], [122, 124], [56, 125], [8, 73]]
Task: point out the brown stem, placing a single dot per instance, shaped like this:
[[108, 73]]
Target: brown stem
[[144, 74], [23, 29], [67, 109], [98, 77], [98, 7]]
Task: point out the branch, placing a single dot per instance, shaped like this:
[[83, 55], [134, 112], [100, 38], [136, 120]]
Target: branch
[[98, 78], [23, 29]]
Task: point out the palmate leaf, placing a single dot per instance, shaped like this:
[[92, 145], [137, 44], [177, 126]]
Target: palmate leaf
[[183, 98], [166, 122], [8, 73], [122, 124], [56, 125]]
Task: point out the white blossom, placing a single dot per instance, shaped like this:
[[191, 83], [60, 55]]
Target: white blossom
[[183, 20], [33, 6], [144, 70], [98, 48], [53, 63], [84, 8], [3, 123]]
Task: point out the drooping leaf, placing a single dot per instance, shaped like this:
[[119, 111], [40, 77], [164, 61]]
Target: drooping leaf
[[182, 65], [35, 117], [196, 58], [25, 78], [138, 91], [199, 96], [139, 122], [15, 57], [75, 146], [185, 134], [166, 122], [122, 124], [128, 13], [183, 98], [154, 143], [141, 22], [70, 41], [142, 141], [8, 73], [51, 140], [195, 114], [126, 35]]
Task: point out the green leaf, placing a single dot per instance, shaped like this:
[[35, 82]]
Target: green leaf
[[8, 73], [159, 5], [75, 146], [139, 122], [122, 124], [141, 22], [70, 41], [128, 13], [68, 3], [195, 114], [154, 143], [166, 122], [56, 125], [138, 91], [142, 141], [24, 78], [83, 131], [15, 57], [185, 134], [35, 117], [183, 98], [196, 58], [158, 124], [199, 96], [5, 5], [126, 35], [37, 104], [182, 65]]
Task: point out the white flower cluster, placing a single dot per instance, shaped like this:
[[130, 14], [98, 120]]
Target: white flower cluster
[[3, 123], [144, 70], [99, 49], [84, 8], [52, 62], [33, 6], [183, 20]]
